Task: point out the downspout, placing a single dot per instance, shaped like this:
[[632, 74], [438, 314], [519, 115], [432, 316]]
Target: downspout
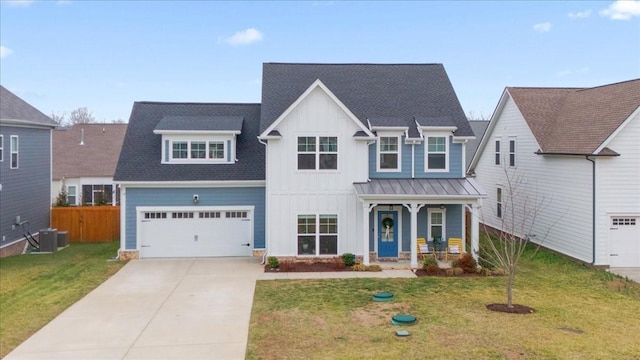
[[593, 209], [266, 213], [413, 157]]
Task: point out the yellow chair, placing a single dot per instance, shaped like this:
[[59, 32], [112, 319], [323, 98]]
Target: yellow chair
[[423, 248], [454, 247]]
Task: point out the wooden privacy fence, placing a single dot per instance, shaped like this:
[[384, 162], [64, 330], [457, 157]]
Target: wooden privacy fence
[[87, 223]]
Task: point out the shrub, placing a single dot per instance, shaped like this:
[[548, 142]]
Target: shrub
[[483, 260], [429, 260], [467, 263], [374, 267], [359, 267], [432, 269], [273, 262], [458, 271], [349, 259]]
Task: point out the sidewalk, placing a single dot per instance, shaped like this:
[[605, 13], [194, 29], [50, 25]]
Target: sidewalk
[[385, 273]]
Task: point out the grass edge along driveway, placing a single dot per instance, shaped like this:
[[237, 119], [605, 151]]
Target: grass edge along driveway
[[34, 289], [581, 313]]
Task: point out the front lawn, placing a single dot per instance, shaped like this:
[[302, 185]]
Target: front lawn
[[36, 288], [581, 313]]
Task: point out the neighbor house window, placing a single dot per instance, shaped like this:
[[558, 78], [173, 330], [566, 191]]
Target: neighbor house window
[[72, 195], [436, 158], [318, 234], [1, 144], [497, 152], [180, 150], [317, 153], [388, 153], [499, 202], [512, 152], [14, 152], [97, 194]]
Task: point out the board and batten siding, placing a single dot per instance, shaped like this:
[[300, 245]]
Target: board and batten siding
[[208, 196], [26, 191], [559, 187], [291, 192], [617, 184], [455, 163]]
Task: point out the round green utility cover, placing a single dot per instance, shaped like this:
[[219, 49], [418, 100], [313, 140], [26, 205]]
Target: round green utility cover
[[403, 319], [383, 296]]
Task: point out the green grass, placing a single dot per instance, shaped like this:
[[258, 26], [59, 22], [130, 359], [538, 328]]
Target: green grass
[[36, 288], [336, 319]]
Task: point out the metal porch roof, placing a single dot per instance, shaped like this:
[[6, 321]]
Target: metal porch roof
[[420, 189]]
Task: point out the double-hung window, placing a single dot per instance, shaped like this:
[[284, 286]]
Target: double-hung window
[[437, 153], [317, 234], [512, 152], [1, 147], [499, 202], [388, 153], [14, 151], [72, 195], [317, 153], [497, 147]]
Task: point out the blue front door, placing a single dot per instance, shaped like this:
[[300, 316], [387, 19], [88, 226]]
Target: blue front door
[[388, 234]]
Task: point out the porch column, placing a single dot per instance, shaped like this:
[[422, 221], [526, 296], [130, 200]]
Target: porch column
[[475, 231], [365, 233], [413, 210]]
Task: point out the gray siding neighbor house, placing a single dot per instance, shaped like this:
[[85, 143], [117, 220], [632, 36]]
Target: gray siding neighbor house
[[25, 172]]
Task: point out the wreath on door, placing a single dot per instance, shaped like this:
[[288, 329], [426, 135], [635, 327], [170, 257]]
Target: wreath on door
[[387, 224]]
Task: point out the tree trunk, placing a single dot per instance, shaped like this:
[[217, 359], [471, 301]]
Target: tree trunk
[[510, 280]]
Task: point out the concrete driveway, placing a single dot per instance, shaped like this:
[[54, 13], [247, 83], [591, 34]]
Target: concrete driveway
[[156, 309], [631, 273]]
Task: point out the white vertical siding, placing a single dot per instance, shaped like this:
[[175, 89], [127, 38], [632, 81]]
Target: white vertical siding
[[562, 184], [292, 192], [617, 184]]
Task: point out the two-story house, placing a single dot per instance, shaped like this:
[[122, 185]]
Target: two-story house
[[25, 172], [337, 158]]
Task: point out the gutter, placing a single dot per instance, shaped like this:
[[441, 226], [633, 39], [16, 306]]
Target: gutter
[[266, 208], [593, 209]]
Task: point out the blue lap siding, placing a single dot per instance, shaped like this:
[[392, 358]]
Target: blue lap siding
[[164, 197]]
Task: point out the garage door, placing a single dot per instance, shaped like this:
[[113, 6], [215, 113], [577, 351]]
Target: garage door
[[624, 239], [191, 233]]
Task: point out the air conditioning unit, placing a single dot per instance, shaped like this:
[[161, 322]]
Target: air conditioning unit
[[48, 240], [62, 238]]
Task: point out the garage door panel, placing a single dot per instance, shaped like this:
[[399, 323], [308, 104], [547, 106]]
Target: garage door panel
[[196, 234]]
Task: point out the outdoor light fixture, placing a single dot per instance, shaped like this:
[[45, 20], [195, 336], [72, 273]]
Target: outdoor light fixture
[[441, 206], [196, 198]]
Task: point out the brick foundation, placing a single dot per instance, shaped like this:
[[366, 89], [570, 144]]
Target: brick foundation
[[258, 252], [125, 255]]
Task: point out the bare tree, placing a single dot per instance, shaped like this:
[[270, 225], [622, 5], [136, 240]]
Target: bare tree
[[81, 115], [59, 119], [471, 115], [518, 212]]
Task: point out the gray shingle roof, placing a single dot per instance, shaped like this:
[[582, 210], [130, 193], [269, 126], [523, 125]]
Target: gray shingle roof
[[419, 188], [201, 123], [141, 151], [391, 91], [14, 109]]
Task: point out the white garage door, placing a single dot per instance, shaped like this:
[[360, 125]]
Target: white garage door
[[624, 240], [195, 233]]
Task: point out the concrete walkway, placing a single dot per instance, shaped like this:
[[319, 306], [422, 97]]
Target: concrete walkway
[[165, 309], [631, 273]]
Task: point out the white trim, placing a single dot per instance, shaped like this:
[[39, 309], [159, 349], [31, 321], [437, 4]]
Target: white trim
[[196, 132], [462, 139], [191, 184], [402, 129], [75, 186], [487, 133], [444, 222], [447, 129], [317, 234], [606, 142], [317, 153], [447, 152], [398, 152], [26, 124], [206, 160], [1, 147], [499, 152], [515, 151], [123, 220], [378, 208], [14, 151], [306, 93]]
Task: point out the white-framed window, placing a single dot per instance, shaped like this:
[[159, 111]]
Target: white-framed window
[[14, 148], [389, 155], [1, 147], [436, 153], [512, 152], [317, 152], [72, 195], [499, 202], [198, 150], [497, 151], [317, 234], [437, 224]]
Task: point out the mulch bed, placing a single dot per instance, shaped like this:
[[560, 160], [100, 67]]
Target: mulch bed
[[443, 273], [516, 309], [308, 267]]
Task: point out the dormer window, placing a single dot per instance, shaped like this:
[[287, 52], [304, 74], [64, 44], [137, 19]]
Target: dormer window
[[389, 153], [199, 139], [437, 153]]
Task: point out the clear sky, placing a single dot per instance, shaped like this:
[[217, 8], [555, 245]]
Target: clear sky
[[104, 55]]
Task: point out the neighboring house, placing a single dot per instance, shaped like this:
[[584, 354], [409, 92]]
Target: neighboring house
[[349, 158], [25, 172], [577, 151], [478, 127], [84, 159]]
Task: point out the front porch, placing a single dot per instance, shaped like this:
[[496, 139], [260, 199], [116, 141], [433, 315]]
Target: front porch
[[396, 212]]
